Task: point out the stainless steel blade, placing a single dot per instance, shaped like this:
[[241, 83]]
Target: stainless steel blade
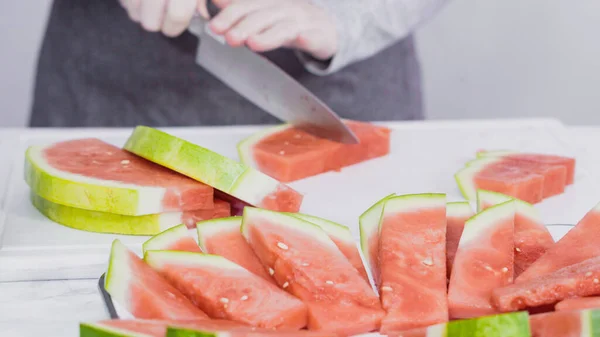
[[270, 88]]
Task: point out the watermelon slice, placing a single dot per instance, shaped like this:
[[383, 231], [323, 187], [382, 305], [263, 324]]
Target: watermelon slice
[[223, 237], [222, 173], [175, 238], [369, 236], [578, 280], [578, 303], [308, 264], [483, 262], [579, 244], [566, 162], [241, 332], [142, 291], [343, 239], [457, 213], [155, 328], [493, 175], [94, 175], [583, 323], [532, 238], [288, 154], [412, 257], [102, 222], [225, 290]]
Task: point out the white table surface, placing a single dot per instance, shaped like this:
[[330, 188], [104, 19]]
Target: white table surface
[[54, 308]]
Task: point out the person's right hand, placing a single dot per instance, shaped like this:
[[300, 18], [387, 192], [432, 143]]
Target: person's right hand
[[171, 17]]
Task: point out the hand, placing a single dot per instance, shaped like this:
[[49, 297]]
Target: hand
[[171, 17], [264, 25]]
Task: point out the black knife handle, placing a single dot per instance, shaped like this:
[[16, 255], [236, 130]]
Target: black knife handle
[[213, 10]]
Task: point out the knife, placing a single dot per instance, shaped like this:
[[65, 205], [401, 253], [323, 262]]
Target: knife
[[266, 85]]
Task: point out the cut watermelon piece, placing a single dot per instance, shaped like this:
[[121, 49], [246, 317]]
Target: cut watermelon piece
[[493, 175], [343, 239], [566, 162], [142, 291], [369, 236], [532, 238], [223, 237], [241, 332], [412, 257], [225, 290], [222, 173], [457, 213], [288, 154], [578, 280], [102, 222], [155, 328], [483, 262], [175, 238], [308, 264], [94, 175], [578, 303], [222, 209], [579, 244], [584, 323]]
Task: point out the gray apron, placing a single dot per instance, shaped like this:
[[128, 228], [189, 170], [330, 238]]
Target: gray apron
[[98, 68]]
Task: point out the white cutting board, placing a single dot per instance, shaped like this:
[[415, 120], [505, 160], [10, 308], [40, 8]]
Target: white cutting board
[[424, 157]]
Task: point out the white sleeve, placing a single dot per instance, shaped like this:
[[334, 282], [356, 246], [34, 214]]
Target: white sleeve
[[365, 27]]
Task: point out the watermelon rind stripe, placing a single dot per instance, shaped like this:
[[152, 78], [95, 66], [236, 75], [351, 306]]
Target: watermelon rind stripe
[[494, 198], [184, 332], [495, 153], [118, 275], [88, 193], [100, 330], [165, 238], [208, 228], [458, 209], [369, 226], [465, 177], [201, 164], [157, 259], [246, 145], [333, 229], [103, 222], [413, 202], [482, 222], [514, 324]]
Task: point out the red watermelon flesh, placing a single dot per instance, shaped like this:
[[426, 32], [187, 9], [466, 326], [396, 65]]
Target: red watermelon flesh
[[556, 324], [457, 213], [174, 238], [511, 180], [223, 237], [308, 264], [578, 303], [578, 280], [94, 158], [142, 291], [483, 262], [225, 290], [566, 162], [412, 259], [579, 244], [221, 209]]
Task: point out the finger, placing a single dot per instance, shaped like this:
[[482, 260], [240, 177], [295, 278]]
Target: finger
[[253, 24], [152, 13], [233, 13], [222, 3], [278, 35], [133, 9], [202, 9], [178, 16]]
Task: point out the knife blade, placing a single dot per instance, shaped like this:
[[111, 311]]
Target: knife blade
[[267, 86]]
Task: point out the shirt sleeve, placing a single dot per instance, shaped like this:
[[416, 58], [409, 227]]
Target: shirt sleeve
[[365, 27]]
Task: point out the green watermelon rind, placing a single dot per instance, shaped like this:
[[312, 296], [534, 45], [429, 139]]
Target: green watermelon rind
[[465, 176], [99, 330], [157, 259], [460, 209], [102, 222], [88, 193], [165, 238], [368, 222], [522, 207], [201, 164], [410, 202], [118, 276], [245, 146], [333, 229], [208, 227], [515, 324], [185, 332], [481, 222], [495, 153]]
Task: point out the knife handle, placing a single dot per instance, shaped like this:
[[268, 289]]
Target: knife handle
[[213, 10]]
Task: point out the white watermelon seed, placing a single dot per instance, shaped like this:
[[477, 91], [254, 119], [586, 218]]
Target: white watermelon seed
[[109, 153], [224, 300], [518, 249], [282, 245], [329, 282], [505, 270], [305, 264], [488, 268], [245, 297], [282, 152], [596, 281], [386, 288], [428, 261], [271, 271], [588, 274], [285, 285], [125, 162]]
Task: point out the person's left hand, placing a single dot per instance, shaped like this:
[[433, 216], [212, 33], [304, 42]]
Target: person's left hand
[[264, 25]]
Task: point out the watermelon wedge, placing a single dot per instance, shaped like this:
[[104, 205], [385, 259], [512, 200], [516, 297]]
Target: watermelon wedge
[[288, 154], [102, 222], [225, 290], [493, 175], [412, 257], [94, 175], [222, 173], [369, 236], [155, 328], [578, 303], [532, 238], [457, 213], [175, 238], [308, 264], [583, 323], [483, 261], [223, 237], [579, 244], [566, 162], [142, 291], [241, 332], [578, 280], [343, 239]]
